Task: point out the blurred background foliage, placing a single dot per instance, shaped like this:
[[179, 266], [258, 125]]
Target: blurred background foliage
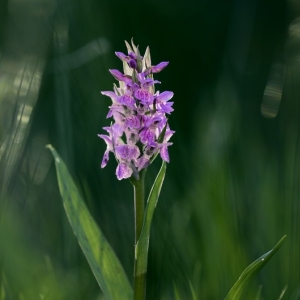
[[232, 188]]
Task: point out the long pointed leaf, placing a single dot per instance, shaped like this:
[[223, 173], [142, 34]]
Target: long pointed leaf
[[283, 292], [2, 291], [194, 297], [241, 287], [177, 294], [258, 293], [103, 261], [143, 242]]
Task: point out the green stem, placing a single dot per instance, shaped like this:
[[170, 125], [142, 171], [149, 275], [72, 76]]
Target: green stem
[[139, 209]]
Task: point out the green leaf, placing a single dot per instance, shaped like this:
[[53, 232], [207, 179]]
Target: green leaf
[[240, 288], [143, 242], [258, 293], [103, 261], [283, 292], [2, 291], [194, 297], [177, 294]]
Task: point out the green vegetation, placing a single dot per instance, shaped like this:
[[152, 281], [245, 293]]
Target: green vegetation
[[232, 187]]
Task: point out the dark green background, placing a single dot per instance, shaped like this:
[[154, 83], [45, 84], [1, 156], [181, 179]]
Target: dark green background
[[232, 187]]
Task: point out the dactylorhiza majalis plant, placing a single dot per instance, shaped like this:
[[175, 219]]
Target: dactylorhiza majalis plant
[[139, 133]]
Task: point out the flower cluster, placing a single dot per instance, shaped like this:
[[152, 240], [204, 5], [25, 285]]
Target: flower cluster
[[139, 115]]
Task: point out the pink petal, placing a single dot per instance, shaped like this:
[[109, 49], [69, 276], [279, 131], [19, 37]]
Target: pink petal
[[159, 67], [144, 96], [120, 76], [107, 140], [122, 56], [112, 95], [164, 154], [105, 159], [123, 171], [165, 96]]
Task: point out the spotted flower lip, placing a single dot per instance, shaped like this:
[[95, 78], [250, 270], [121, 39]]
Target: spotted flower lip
[[144, 96], [140, 128]]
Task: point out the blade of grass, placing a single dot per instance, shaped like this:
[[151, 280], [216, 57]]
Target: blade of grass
[[283, 292], [177, 294], [194, 297], [257, 297], [2, 291]]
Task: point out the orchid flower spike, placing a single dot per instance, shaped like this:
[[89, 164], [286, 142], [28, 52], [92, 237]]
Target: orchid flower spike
[[139, 115]]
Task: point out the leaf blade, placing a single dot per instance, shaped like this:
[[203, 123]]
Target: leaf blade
[[143, 242], [104, 263], [241, 287]]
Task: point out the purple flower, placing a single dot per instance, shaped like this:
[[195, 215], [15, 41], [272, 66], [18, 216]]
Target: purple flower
[[139, 115], [156, 69], [127, 100], [133, 122], [127, 152], [112, 140], [143, 162], [120, 76], [123, 171], [144, 96], [132, 55], [146, 82], [164, 153], [122, 56], [112, 96], [132, 136], [147, 136], [132, 64], [165, 96], [159, 67]]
